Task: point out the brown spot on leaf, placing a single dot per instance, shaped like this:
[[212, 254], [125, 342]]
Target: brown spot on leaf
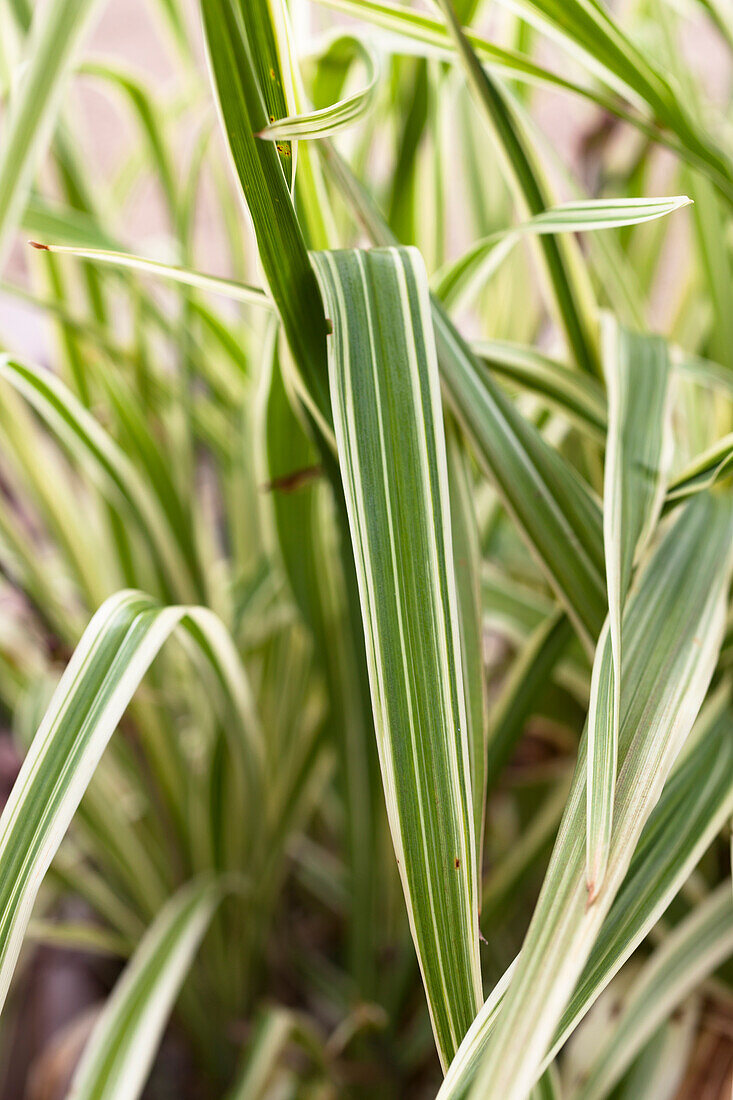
[[288, 483]]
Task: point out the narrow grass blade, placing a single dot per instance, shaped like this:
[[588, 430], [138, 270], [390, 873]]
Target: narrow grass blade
[[577, 396], [237, 37], [673, 630], [702, 472], [389, 430], [688, 955], [315, 573], [589, 29], [481, 259], [568, 279], [240, 292], [506, 877], [56, 31], [467, 557], [553, 507], [527, 678], [118, 646], [339, 116], [276, 1030], [47, 219], [424, 31], [637, 453], [548, 1087], [694, 806], [120, 1051], [659, 1070]]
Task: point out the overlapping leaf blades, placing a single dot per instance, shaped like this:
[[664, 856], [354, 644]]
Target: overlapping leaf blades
[[119, 644], [696, 947], [637, 371], [675, 619], [695, 803], [55, 33]]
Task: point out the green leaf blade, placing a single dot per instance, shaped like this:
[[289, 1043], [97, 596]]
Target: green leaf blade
[[389, 429], [637, 452], [674, 628], [120, 1050]]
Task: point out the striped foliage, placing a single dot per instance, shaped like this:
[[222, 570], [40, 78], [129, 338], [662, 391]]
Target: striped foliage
[[676, 618], [337, 116], [54, 36], [391, 448], [346, 358], [122, 1046], [694, 805], [689, 954], [119, 644], [637, 448]]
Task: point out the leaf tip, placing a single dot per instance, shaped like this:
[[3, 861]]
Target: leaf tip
[[39, 246]]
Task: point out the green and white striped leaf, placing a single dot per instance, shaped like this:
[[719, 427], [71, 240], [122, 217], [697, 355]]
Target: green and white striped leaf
[[703, 471], [694, 806], [422, 33], [467, 557], [577, 396], [247, 80], [121, 1049], [327, 121], [637, 454], [689, 954], [673, 630], [571, 289], [389, 430], [548, 1087], [229, 288], [477, 264], [57, 28], [113, 655], [552, 506], [554, 509], [589, 29]]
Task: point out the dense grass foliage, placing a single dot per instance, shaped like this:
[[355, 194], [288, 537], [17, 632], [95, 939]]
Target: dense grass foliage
[[365, 555]]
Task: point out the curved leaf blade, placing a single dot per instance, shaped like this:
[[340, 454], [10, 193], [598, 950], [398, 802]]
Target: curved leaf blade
[[330, 120], [120, 1051], [121, 641]]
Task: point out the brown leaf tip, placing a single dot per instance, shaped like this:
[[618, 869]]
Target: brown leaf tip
[[39, 246]]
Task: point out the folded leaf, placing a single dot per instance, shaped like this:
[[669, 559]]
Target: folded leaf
[[673, 630]]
